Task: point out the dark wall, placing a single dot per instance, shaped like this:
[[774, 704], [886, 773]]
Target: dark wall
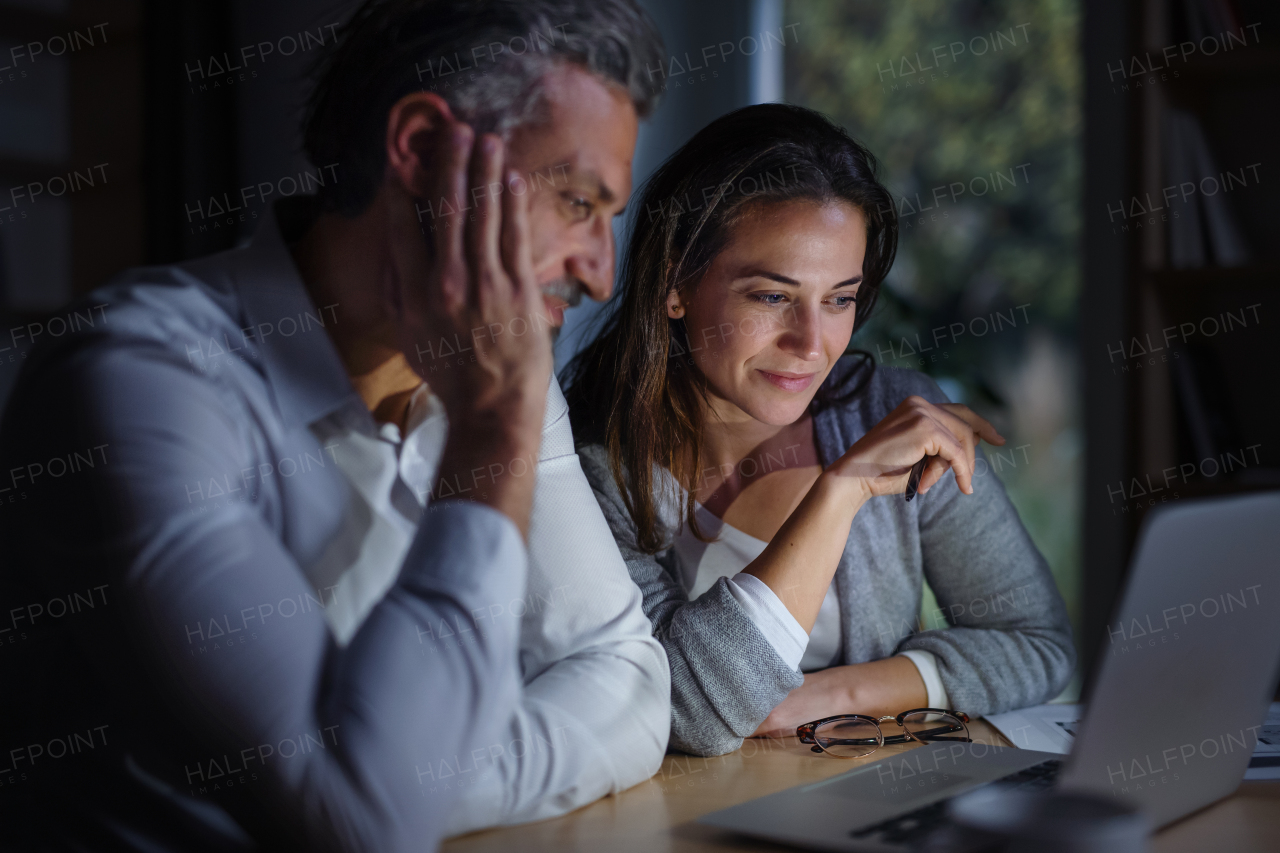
[[225, 89], [1108, 32]]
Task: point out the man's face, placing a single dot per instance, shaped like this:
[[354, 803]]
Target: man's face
[[579, 168]]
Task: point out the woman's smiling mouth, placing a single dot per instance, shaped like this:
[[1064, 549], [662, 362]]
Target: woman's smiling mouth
[[789, 381]]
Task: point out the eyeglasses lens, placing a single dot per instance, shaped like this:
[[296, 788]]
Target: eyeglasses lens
[[928, 727], [849, 738]]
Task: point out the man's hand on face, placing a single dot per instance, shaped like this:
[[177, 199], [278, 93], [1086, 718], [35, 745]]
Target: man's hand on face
[[471, 318]]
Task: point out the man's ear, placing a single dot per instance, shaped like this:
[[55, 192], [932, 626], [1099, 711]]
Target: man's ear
[[412, 124], [675, 308]]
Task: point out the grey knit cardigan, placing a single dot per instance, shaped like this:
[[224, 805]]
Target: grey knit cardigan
[[1008, 641]]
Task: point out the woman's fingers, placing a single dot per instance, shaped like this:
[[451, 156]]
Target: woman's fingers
[[934, 471], [946, 433], [946, 437], [976, 422], [949, 452], [959, 429], [967, 426]]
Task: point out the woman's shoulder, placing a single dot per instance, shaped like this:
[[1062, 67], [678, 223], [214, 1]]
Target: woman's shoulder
[[892, 385], [599, 473], [886, 387], [594, 459], [852, 414], [595, 463]]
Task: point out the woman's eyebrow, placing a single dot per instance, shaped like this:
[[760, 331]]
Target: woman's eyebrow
[[772, 276], [782, 279]]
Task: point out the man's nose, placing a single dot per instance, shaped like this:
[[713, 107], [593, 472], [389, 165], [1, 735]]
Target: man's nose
[[592, 264]]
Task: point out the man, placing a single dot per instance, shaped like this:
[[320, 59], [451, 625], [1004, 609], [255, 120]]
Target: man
[[286, 649], [565, 84]]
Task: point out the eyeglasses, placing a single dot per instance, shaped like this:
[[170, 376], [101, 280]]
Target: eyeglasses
[[856, 735]]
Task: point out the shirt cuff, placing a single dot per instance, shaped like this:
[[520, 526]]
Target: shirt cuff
[[771, 616], [928, 666]]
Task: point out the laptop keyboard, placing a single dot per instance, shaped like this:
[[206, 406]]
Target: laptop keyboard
[[915, 826]]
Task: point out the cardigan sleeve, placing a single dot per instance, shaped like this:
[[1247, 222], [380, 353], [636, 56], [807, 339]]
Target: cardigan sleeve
[[1009, 642], [725, 674]]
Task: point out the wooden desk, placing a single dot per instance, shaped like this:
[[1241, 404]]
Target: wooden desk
[[657, 816]]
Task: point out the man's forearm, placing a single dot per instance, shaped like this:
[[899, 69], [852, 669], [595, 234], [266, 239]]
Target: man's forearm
[[567, 747]]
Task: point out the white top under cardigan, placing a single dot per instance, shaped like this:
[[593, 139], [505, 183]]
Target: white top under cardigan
[[729, 554]]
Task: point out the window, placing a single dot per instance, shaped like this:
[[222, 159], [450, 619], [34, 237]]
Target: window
[[974, 111]]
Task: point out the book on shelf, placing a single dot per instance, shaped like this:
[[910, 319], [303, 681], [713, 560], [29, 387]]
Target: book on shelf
[[1204, 230], [1206, 18]]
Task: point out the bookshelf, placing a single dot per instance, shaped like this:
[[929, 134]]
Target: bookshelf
[[1216, 394], [1182, 375]]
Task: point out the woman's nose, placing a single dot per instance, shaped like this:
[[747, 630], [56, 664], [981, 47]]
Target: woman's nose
[[803, 335]]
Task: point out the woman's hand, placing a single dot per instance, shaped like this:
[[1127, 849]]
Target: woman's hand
[[823, 694], [876, 688], [948, 434], [803, 554]]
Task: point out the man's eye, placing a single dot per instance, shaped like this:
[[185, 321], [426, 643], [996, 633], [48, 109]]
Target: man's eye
[[580, 208]]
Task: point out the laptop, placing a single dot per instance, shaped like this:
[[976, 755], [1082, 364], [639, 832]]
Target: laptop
[[1183, 686]]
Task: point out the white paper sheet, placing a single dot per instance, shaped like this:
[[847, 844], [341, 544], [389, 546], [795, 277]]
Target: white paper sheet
[[1265, 763], [1052, 728], [1047, 728]]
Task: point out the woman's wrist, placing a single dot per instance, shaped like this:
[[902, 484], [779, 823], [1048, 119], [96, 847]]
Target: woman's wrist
[[887, 686], [846, 488], [834, 689], [848, 693]]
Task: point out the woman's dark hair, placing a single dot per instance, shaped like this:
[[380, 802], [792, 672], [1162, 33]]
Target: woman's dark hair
[[632, 389]]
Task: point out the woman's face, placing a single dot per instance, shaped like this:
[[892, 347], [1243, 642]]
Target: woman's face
[[776, 307]]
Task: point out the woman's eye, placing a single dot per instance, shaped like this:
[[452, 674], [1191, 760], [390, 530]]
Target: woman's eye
[[845, 300], [769, 298]]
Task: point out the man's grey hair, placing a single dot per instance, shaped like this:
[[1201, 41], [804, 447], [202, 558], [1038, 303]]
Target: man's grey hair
[[486, 58]]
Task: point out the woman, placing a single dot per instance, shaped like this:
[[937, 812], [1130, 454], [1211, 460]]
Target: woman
[[754, 478]]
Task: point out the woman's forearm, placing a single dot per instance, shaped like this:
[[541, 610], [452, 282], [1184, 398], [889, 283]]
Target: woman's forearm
[[801, 559], [877, 688], [887, 686]]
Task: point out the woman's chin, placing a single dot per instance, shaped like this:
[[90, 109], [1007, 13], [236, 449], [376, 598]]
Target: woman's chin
[[778, 413]]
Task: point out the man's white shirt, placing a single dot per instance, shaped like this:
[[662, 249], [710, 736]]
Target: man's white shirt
[[595, 714]]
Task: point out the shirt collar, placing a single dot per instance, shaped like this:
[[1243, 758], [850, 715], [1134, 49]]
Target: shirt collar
[[302, 365]]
